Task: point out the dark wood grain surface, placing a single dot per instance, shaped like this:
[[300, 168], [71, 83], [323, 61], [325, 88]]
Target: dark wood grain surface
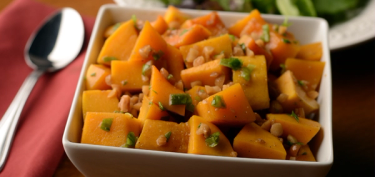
[[353, 82]]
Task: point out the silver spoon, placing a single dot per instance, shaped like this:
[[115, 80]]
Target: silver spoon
[[52, 47]]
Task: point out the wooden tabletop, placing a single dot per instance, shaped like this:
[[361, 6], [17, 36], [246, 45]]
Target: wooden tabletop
[[353, 82]]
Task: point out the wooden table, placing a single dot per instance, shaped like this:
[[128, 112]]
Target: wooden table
[[353, 77]]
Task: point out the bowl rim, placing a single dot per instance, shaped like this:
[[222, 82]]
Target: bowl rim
[[67, 144]]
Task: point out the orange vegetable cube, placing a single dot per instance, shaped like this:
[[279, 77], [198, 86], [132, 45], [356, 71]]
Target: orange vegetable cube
[[160, 91], [303, 129], [254, 142], [153, 132], [98, 101], [119, 45], [304, 70], [121, 125], [197, 143], [236, 112], [95, 77]]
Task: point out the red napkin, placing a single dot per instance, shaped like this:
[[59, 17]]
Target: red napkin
[[37, 146]]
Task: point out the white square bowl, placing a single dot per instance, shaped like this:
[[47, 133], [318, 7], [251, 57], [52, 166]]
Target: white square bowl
[[95, 160]]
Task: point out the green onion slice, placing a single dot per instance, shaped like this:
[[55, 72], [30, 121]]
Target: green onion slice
[[213, 139], [168, 135], [106, 124], [266, 33], [218, 102], [233, 63], [131, 140]]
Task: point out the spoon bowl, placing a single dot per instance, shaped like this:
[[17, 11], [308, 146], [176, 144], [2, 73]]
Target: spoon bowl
[[52, 47]]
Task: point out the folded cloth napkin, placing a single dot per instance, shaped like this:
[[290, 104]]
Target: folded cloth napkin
[[37, 146]]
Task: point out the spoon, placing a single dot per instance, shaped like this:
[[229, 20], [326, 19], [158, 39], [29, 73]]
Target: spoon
[[57, 43]]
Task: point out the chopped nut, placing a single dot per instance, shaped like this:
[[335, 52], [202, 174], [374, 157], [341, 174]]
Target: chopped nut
[[276, 129], [145, 51], [204, 130]]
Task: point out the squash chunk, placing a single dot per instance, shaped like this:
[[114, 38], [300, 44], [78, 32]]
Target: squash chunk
[[160, 91], [282, 47], [249, 42], [98, 101], [175, 63], [303, 129], [157, 44], [304, 70], [202, 73], [237, 110], [256, 88], [305, 154], [119, 45], [155, 129], [297, 97], [150, 110], [95, 77], [175, 16], [211, 21], [220, 44], [186, 36], [312, 51], [121, 125], [197, 143], [128, 75], [254, 142], [160, 25], [254, 16]]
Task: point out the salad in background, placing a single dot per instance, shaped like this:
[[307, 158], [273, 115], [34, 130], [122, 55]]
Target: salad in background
[[334, 11]]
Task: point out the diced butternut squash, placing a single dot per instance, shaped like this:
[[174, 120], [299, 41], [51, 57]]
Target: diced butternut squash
[[148, 37], [236, 112], [186, 36], [220, 44], [128, 75], [253, 20], [98, 101], [175, 63], [305, 154], [121, 125], [304, 70], [203, 73], [150, 110], [254, 142], [197, 142], [312, 51], [174, 17], [211, 21], [160, 25], [256, 87], [95, 77], [251, 44], [119, 45], [282, 47], [160, 91], [155, 130], [296, 96], [302, 129]]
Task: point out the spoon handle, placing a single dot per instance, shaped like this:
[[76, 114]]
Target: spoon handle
[[9, 121]]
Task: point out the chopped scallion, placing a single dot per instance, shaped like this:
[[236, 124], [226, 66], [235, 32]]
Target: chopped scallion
[[106, 124], [233, 63], [213, 139], [168, 135], [266, 33], [218, 102], [295, 116]]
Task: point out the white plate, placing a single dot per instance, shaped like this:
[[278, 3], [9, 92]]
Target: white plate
[[351, 32], [95, 160]]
